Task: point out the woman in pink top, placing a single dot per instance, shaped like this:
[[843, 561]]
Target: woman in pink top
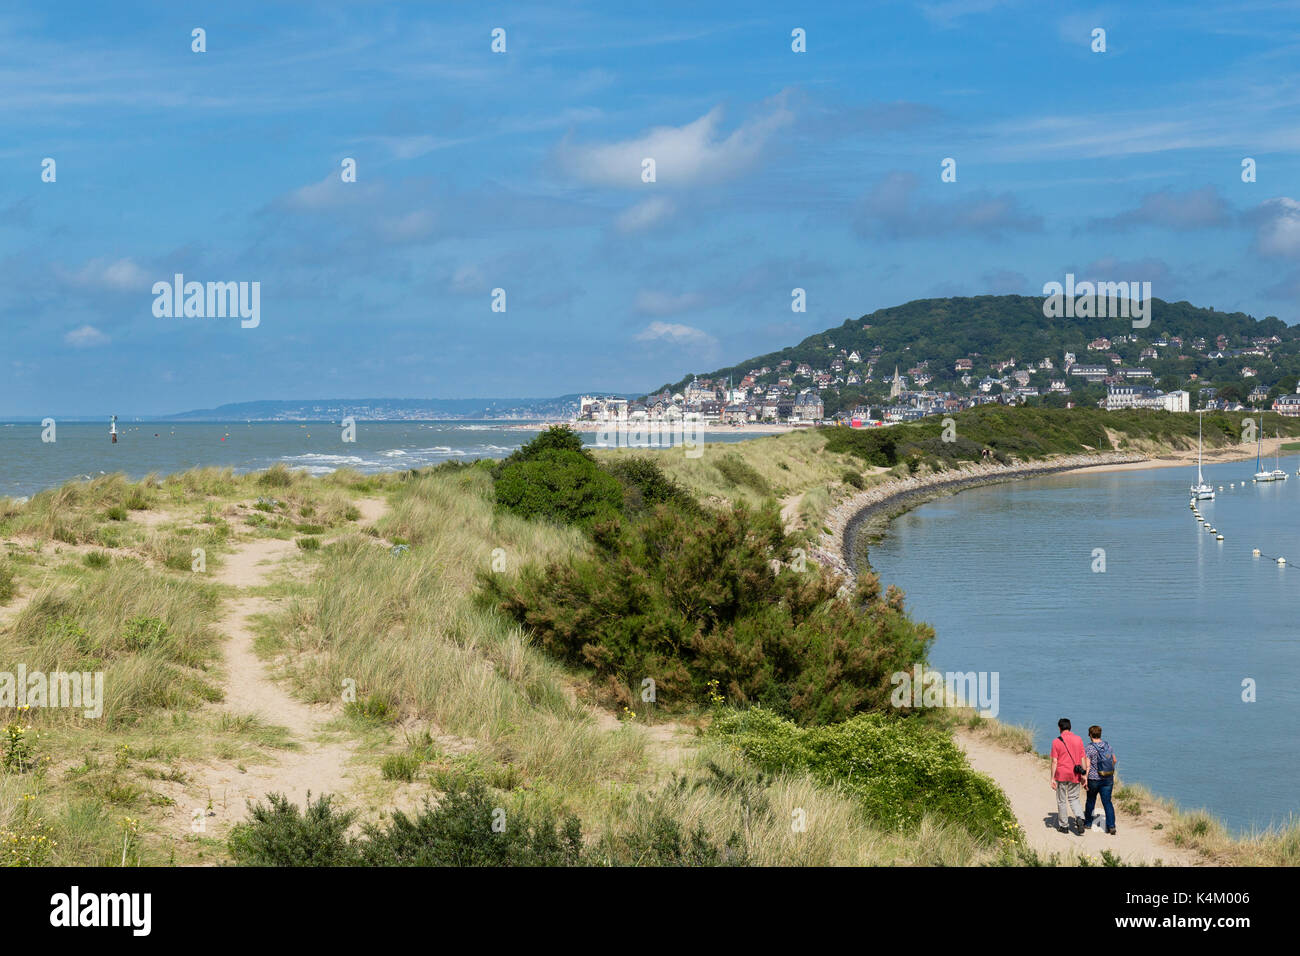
[[1069, 770]]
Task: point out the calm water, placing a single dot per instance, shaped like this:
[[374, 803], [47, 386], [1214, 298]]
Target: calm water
[[83, 450], [1155, 649]]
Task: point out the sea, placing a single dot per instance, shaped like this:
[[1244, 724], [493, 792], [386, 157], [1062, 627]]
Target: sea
[[83, 450], [1098, 597]]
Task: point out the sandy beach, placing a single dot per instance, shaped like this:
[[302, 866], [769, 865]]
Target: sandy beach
[[1188, 458]]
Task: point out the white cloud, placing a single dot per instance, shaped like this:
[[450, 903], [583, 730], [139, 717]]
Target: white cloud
[[684, 155], [329, 193], [1278, 230], [123, 275], [674, 334], [645, 215], [649, 302], [468, 280], [413, 147], [416, 224], [85, 337]]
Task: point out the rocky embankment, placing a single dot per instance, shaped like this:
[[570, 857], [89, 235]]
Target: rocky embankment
[[875, 506]]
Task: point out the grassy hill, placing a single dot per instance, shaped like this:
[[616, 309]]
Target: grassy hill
[[992, 328]]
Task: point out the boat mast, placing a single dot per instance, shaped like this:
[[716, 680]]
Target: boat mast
[[1199, 479]]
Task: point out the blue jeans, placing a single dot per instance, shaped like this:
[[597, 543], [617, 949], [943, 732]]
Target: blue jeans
[[1103, 786]]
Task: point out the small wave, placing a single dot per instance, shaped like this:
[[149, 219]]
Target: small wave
[[337, 460]]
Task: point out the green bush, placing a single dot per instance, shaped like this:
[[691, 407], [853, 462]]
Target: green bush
[[898, 768], [98, 559], [279, 834], [566, 487], [645, 485], [116, 513], [555, 438], [309, 544], [685, 599], [468, 827], [7, 589], [855, 479]]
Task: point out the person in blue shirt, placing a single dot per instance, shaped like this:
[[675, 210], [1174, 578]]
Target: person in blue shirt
[[1101, 778]]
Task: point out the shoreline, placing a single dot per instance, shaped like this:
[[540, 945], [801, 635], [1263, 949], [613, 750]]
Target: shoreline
[[881, 503], [837, 546], [884, 502]]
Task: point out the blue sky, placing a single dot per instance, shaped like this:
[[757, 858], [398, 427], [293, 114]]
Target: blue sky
[[522, 171]]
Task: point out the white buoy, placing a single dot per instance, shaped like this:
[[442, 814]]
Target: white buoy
[[1220, 537], [1255, 552], [1220, 487], [1281, 560]]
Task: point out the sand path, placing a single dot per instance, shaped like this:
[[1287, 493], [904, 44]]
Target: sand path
[[1023, 777], [317, 763]]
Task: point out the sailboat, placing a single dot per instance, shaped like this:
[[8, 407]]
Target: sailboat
[[1260, 473], [1278, 473], [1200, 489]]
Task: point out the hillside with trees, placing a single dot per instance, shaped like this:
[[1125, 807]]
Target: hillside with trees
[[1195, 348]]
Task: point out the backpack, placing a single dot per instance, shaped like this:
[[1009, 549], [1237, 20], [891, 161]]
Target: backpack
[[1105, 759]]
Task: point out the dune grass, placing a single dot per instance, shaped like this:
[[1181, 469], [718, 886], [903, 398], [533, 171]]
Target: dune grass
[[446, 689], [751, 471]]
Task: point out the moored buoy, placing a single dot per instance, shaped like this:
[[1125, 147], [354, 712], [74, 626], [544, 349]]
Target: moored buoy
[[1281, 560], [1255, 552], [1220, 537]]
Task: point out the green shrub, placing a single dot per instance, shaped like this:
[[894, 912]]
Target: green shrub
[[559, 438], [279, 834], [566, 487], [468, 827], [309, 544], [460, 831], [98, 559], [116, 513], [7, 588], [659, 840], [898, 768], [686, 599], [645, 485], [855, 479]]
